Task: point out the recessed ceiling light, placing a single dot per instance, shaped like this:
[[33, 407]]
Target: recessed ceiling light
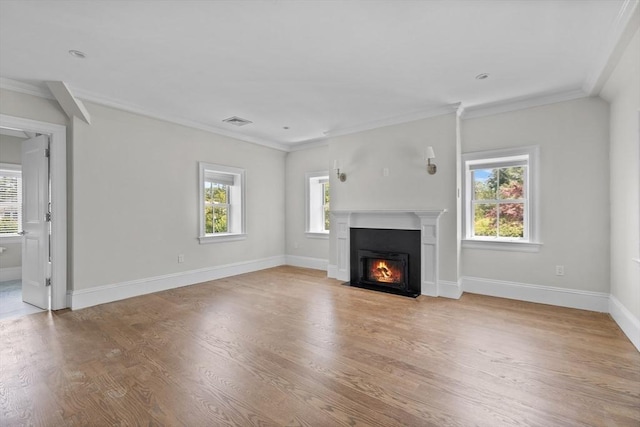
[[237, 121], [482, 76], [77, 54]]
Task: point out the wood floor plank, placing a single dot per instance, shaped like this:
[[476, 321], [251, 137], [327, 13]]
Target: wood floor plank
[[287, 346]]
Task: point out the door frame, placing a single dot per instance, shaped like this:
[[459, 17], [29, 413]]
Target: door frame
[[58, 178]]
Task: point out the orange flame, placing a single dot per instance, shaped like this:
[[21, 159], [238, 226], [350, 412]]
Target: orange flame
[[382, 272]]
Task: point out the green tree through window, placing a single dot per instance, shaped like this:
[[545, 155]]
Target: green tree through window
[[216, 198], [499, 202], [326, 205]]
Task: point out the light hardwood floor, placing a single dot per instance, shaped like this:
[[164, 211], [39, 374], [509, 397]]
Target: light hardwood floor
[[287, 346]]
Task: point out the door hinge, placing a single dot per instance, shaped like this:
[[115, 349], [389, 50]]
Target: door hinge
[[46, 152], [48, 281], [48, 217]]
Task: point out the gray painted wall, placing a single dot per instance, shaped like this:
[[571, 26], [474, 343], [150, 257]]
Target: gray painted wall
[[135, 198], [574, 190], [298, 164]]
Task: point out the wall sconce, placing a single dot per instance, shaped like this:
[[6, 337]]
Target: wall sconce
[[341, 176], [431, 167]]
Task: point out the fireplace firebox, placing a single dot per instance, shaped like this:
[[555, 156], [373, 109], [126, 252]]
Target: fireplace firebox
[[386, 260], [383, 268]]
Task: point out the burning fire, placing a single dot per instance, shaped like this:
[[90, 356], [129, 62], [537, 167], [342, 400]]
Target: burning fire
[[382, 272]]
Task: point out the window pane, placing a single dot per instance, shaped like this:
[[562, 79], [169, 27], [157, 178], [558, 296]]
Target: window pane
[[511, 220], [511, 181], [208, 192], [220, 193], [220, 224], [9, 189], [208, 219], [326, 207], [215, 193], [10, 209], [484, 223], [484, 184], [9, 220]]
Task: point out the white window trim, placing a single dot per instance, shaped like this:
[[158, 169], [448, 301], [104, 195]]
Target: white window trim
[[11, 238], [221, 237], [532, 243], [307, 195]]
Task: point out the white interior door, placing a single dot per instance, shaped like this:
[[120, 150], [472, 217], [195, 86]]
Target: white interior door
[[35, 227]]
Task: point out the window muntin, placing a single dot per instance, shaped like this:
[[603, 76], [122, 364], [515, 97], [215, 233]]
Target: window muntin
[[318, 197], [221, 202], [10, 200], [500, 197]]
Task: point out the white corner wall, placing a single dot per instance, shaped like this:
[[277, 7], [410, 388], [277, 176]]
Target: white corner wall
[[574, 191], [622, 90], [303, 250]]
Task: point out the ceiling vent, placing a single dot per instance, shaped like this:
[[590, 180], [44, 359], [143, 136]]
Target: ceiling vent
[[237, 121]]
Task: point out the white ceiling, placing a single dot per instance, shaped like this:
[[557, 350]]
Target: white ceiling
[[318, 67]]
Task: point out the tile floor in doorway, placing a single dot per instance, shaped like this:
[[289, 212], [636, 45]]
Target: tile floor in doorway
[[11, 304]]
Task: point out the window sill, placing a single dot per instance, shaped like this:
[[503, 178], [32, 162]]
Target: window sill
[[316, 235], [501, 245], [219, 238], [11, 239]]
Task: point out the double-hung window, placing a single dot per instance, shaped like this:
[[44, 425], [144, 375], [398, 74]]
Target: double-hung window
[[500, 199], [318, 204], [221, 203], [10, 200]]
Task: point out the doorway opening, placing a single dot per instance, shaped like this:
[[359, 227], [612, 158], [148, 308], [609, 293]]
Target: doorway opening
[[41, 270], [16, 262]]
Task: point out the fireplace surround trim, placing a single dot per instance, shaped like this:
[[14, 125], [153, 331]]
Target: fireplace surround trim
[[427, 221]]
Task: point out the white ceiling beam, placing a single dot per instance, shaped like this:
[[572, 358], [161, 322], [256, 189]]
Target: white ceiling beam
[[69, 103]]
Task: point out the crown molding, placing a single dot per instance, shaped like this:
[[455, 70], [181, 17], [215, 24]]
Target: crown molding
[[623, 29], [308, 144], [405, 118], [26, 88], [99, 99], [519, 103]]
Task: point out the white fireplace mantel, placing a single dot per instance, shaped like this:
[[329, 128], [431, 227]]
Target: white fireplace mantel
[[424, 220]]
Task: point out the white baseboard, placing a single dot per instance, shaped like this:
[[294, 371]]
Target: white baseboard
[[449, 289], [585, 300], [332, 271], [629, 324], [108, 293], [307, 262], [10, 273]]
